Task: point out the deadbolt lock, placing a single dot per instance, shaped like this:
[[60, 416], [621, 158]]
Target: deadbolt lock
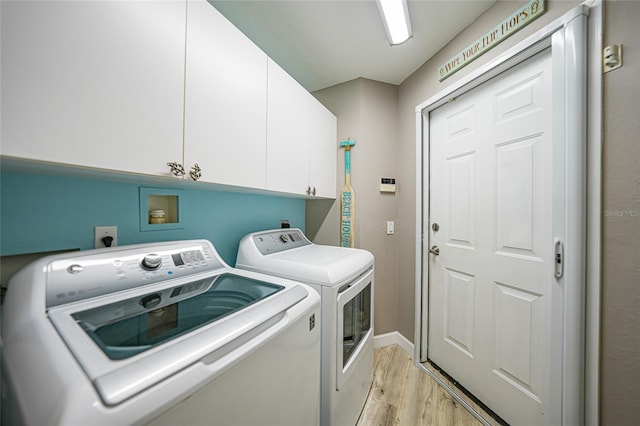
[[435, 227]]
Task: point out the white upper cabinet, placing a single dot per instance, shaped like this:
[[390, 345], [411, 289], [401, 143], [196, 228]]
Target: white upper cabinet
[[133, 85], [301, 139], [225, 100], [97, 84], [287, 126], [323, 148]]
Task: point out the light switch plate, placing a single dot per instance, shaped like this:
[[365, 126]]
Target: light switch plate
[[391, 227]]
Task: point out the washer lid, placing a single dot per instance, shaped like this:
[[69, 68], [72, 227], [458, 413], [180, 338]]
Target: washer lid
[[126, 345]]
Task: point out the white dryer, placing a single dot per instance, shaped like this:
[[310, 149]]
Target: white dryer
[[344, 277], [162, 333]]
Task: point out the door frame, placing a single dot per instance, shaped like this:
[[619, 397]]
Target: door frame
[[575, 40]]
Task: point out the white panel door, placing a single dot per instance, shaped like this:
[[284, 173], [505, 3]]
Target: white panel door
[[491, 286], [94, 83], [225, 100]]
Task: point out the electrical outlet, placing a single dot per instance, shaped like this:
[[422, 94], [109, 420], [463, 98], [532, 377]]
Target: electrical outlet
[[105, 231]]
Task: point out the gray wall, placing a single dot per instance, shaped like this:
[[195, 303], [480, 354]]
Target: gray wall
[[367, 113], [620, 346], [620, 339], [381, 118], [420, 86]]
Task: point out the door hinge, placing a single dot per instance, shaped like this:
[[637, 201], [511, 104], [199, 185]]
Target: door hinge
[[611, 58], [558, 258]]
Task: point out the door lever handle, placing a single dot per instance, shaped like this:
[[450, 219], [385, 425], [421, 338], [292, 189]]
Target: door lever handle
[[435, 250]]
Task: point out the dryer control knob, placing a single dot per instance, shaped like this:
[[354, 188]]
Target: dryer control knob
[[284, 238], [151, 261]]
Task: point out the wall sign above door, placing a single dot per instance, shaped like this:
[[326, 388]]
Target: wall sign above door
[[510, 25]]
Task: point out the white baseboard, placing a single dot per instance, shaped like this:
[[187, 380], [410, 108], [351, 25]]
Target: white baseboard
[[394, 337]]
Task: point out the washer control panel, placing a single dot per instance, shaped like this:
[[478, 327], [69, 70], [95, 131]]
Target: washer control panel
[[101, 272], [279, 240], [189, 259]]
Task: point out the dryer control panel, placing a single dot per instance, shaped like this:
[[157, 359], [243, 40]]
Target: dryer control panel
[[279, 240]]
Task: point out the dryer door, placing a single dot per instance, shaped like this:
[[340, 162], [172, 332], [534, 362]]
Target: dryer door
[[355, 323]]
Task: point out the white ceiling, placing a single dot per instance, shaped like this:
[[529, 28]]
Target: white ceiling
[[325, 42]]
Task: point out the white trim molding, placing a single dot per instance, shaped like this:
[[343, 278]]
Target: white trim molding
[[594, 216], [393, 338]]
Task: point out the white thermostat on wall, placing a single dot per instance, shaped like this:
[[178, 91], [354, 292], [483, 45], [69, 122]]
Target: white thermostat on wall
[[387, 185]]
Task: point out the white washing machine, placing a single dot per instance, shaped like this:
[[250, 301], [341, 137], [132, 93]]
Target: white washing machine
[[162, 334], [344, 277]]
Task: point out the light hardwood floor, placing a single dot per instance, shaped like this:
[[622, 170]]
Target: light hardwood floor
[[402, 394]]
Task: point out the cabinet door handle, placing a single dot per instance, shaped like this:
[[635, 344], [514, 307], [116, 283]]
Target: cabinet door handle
[[313, 191], [176, 169], [308, 191], [196, 172]]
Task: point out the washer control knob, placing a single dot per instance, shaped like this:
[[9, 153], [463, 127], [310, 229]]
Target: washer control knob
[[284, 238], [151, 301], [151, 261]]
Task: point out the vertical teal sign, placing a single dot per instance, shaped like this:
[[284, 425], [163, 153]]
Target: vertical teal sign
[[347, 199]]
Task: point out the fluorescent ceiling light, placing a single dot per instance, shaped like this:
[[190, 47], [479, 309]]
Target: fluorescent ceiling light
[[395, 17]]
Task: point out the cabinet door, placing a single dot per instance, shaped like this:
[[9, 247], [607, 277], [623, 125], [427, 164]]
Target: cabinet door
[[97, 84], [323, 146], [225, 100], [287, 133]]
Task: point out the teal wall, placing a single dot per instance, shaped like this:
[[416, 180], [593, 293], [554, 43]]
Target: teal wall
[[40, 213]]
